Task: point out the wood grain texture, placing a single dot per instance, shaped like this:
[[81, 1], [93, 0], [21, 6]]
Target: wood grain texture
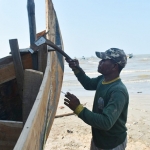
[[57, 67], [5, 60], [33, 132], [7, 73], [42, 33], [32, 83], [27, 61], [9, 134], [42, 58], [7, 70], [17, 64], [42, 53]]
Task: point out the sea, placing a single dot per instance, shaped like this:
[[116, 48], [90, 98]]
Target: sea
[[135, 76]]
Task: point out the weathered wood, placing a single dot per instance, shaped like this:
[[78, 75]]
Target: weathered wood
[[63, 115], [34, 129], [50, 21], [27, 61], [40, 120], [42, 58], [7, 71], [32, 83], [37, 127], [42, 53], [42, 33], [5, 60], [32, 30], [31, 18], [9, 134], [56, 84], [35, 61], [57, 67], [17, 63]]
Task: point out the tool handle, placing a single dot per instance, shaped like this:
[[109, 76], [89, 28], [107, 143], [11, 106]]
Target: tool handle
[[61, 51], [58, 49]]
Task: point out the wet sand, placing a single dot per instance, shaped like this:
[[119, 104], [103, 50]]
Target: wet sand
[[71, 133]]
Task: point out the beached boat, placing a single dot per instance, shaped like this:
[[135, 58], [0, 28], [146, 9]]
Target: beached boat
[[29, 96]]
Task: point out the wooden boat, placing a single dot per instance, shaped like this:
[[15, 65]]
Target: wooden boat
[[28, 97]]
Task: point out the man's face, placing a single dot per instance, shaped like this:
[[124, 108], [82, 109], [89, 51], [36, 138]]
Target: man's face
[[105, 66]]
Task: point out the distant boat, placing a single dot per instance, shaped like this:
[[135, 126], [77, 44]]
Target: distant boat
[[83, 57], [129, 55]]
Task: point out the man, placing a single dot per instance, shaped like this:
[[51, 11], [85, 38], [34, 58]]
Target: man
[[109, 114]]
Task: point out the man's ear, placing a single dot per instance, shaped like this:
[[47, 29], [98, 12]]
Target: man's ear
[[115, 67]]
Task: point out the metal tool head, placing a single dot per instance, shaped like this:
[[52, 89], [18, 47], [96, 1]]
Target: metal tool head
[[40, 41], [35, 47]]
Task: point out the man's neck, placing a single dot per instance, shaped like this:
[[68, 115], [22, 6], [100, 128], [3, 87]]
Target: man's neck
[[108, 78]]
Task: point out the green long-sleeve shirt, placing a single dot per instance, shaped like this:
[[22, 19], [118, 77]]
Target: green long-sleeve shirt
[[108, 124]]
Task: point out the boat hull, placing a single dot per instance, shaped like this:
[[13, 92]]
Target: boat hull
[[33, 128]]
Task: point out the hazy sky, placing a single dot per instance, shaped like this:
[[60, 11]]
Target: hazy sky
[[86, 25]]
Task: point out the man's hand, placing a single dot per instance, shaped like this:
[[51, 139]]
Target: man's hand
[[72, 102], [72, 63]]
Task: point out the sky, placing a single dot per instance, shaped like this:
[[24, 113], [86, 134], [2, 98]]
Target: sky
[[86, 25]]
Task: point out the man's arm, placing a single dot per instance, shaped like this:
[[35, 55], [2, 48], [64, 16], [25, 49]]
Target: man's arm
[[87, 83], [110, 113], [102, 121]]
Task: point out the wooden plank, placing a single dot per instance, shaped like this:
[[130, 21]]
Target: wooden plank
[[27, 61], [35, 61], [9, 134], [7, 71], [50, 21], [34, 129], [42, 58], [5, 60], [32, 29], [56, 84], [57, 71], [45, 106], [17, 63], [42, 53], [32, 83], [63, 115], [42, 33], [31, 18]]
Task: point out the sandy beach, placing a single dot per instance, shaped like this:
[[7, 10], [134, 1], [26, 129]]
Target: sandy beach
[[71, 133]]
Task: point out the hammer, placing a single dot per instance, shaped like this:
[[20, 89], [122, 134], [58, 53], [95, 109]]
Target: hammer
[[42, 40]]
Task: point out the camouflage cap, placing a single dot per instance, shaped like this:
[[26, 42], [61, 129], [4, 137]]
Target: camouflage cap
[[116, 54]]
